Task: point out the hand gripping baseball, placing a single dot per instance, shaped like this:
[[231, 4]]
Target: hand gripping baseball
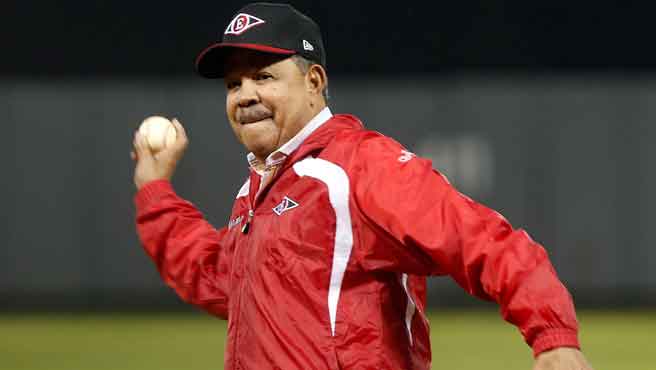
[[161, 165]]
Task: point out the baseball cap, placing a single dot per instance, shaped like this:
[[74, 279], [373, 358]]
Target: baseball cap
[[265, 27]]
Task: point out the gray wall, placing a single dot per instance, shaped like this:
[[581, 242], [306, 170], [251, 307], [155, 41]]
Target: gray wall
[[567, 158]]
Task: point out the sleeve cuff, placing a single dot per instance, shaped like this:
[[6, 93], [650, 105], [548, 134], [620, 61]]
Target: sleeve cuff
[[553, 338], [151, 192]]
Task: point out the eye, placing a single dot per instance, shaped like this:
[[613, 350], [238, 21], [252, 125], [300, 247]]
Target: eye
[[232, 84], [261, 76]]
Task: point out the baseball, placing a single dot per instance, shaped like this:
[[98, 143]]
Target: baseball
[[158, 131]]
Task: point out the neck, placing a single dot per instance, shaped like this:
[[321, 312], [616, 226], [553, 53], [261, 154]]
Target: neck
[[315, 108]]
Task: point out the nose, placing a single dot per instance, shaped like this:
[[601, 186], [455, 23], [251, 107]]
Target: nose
[[247, 94]]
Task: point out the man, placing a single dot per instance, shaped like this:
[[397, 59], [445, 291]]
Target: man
[[324, 259]]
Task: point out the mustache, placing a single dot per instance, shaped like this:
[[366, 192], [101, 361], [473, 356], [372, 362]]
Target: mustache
[[252, 114]]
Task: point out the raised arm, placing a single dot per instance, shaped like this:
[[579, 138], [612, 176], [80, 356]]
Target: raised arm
[[189, 253]]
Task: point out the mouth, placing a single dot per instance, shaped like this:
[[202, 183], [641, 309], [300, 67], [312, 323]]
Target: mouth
[[251, 121], [253, 115]]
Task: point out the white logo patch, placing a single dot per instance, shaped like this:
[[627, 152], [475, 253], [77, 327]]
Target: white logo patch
[[235, 222], [241, 23], [285, 205], [406, 156], [307, 46]]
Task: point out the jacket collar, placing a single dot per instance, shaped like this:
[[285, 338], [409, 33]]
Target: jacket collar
[[323, 135], [316, 141]]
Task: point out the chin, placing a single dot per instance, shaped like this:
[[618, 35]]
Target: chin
[[261, 141], [261, 150]]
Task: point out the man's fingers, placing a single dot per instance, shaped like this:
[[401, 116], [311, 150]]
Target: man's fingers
[[179, 129], [181, 135]]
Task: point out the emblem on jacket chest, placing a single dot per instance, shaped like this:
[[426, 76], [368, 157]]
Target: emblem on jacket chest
[[236, 221], [285, 205]]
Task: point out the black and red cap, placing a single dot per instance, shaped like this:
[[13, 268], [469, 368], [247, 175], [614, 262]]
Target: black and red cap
[[266, 27]]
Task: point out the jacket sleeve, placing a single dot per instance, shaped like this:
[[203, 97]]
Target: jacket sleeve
[[186, 249], [432, 229]]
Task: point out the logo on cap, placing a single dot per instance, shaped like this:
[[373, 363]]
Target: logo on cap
[[307, 46], [241, 23]]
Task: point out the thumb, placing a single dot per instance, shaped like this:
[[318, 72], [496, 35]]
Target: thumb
[[141, 147]]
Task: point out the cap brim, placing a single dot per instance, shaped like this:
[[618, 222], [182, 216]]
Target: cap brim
[[210, 62]]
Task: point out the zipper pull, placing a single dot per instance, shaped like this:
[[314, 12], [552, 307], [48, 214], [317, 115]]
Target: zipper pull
[[247, 225]]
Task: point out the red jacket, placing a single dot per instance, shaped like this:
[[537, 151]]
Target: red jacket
[[328, 270]]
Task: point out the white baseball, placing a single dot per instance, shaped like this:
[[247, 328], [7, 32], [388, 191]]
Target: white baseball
[[158, 131]]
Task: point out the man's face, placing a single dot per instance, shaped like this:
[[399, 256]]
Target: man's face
[[267, 100]]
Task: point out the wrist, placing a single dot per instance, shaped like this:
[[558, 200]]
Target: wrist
[[549, 339]]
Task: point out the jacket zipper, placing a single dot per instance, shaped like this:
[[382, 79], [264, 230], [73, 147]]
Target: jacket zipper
[[242, 249], [244, 229], [247, 225]]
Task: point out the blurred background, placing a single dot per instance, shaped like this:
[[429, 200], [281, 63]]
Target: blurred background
[[545, 112]]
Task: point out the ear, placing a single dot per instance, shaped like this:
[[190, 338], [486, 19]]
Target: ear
[[316, 79]]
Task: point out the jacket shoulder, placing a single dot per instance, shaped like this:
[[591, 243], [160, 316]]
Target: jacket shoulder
[[362, 145]]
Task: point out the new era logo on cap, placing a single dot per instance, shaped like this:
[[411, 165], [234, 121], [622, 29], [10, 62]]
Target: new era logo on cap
[[241, 23], [307, 46]]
